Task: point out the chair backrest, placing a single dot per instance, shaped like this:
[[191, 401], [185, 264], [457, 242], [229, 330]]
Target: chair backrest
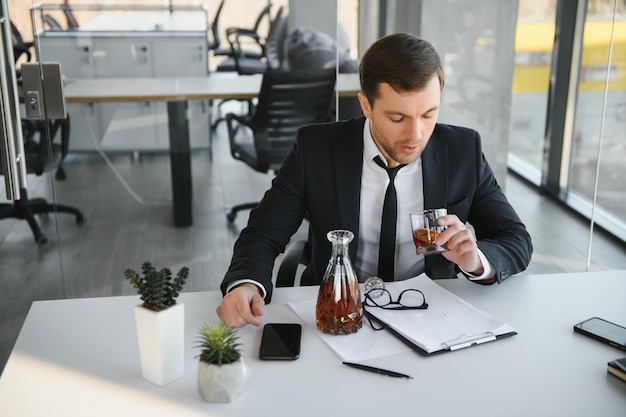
[[287, 101], [19, 46], [72, 23], [215, 30], [275, 40], [272, 49], [264, 13], [51, 23]]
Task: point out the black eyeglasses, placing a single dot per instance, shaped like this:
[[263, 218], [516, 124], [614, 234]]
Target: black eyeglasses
[[409, 299]]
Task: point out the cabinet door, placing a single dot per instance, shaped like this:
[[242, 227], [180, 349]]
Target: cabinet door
[[180, 56], [74, 53], [123, 57]]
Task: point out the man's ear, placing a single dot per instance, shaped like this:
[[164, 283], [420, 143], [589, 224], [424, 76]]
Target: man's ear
[[365, 105]]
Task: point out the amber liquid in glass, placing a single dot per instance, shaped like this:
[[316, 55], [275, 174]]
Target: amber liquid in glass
[[424, 240], [338, 315]]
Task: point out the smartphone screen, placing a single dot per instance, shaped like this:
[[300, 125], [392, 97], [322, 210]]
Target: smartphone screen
[[280, 341], [603, 330]]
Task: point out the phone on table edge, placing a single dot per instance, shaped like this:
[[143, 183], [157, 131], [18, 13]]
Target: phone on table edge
[[604, 331], [280, 341]]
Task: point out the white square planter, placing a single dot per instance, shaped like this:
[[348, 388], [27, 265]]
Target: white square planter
[[161, 337]]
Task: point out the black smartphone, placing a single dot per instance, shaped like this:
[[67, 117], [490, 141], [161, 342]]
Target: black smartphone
[[604, 331], [280, 341]]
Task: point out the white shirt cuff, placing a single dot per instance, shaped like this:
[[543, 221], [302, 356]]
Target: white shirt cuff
[[243, 281], [488, 271]]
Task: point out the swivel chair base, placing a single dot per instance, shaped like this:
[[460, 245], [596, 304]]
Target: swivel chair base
[[26, 209]]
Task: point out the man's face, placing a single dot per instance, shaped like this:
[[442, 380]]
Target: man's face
[[401, 123]]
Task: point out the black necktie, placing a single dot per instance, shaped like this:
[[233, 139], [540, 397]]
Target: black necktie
[[387, 245]]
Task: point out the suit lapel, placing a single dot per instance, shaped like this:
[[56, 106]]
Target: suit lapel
[[348, 152], [435, 173], [435, 182]]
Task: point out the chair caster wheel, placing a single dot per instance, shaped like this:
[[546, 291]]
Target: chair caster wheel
[[231, 217], [80, 219]]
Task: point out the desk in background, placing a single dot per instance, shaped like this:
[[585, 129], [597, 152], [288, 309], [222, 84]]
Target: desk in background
[[80, 357], [130, 41], [177, 92]]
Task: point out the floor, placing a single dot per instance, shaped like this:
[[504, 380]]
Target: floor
[[127, 202]]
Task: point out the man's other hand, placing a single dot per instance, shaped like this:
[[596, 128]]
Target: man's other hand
[[242, 305]]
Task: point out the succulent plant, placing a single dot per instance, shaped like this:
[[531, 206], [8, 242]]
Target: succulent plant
[[219, 344], [158, 290]]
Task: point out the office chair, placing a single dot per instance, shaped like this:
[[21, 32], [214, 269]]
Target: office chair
[[41, 155], [287, 101], [297, 253], [72, 23], [271, 57], [251, 33], [50, 23], [271, 61], [19, 46]]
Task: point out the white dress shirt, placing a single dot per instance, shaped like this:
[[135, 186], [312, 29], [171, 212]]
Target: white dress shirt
[[410, 199]]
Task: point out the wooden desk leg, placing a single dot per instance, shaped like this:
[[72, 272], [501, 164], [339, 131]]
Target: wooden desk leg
[[180, 162]]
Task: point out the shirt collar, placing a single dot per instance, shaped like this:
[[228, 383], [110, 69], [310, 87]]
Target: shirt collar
[[370, 150]]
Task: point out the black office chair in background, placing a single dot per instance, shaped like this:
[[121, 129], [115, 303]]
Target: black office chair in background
[[252, 34], [70, 19], [271, 47], [51, 23], [20, 47], [42, 155], [270, 61], [287, 101]]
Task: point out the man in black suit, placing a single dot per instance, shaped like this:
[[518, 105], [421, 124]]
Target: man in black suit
[[331, 174]]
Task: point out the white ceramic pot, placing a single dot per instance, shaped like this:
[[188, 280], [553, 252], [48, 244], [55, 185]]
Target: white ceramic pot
[[221, 384], [161, 337]]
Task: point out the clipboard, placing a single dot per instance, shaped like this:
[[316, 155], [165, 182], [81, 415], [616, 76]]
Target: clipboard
[[449, 346], [450, 323]]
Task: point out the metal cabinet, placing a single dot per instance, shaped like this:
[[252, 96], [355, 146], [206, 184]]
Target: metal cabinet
[[126, 45]]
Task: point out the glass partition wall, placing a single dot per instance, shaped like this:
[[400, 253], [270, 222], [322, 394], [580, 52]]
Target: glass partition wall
[[501, 66], [568, 109], [118, 168]]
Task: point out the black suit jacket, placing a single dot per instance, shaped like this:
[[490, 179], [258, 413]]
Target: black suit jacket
[[322, 176]]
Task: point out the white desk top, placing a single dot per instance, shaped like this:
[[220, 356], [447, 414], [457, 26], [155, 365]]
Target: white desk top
[[80, 358], [214, 86]]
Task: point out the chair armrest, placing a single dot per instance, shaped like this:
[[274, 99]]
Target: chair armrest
[[235, 36], [243, 32]]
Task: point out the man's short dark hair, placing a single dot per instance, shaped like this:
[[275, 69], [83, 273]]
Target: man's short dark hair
[[402, 60]]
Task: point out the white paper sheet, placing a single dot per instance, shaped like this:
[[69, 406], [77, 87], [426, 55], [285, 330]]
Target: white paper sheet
[[362, 345]]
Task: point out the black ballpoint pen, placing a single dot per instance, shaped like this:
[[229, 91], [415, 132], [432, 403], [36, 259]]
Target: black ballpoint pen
[[377, 370]]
